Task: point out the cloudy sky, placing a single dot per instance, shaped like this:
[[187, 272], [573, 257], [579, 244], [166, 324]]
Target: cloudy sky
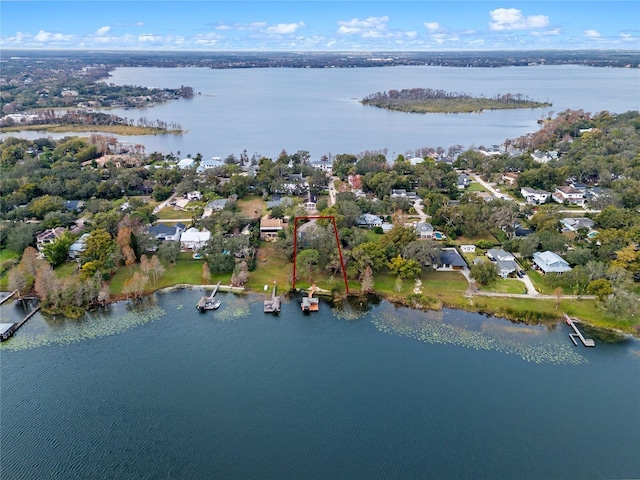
[[320, 25]]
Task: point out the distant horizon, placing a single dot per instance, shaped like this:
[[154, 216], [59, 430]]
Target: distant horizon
[[320, 26]]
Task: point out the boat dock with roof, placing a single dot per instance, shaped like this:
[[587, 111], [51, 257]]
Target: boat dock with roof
[[209, 303]]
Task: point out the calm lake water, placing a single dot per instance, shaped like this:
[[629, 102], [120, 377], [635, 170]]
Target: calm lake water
[[267, 110], [350, 392]]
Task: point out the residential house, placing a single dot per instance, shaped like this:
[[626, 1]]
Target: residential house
[[548, 262], [486, 196], [569, 195], [505, 261], [215, 162], [194, 195], [48, 237], [510, 178], [186, 163], [217, 205], [579, 186], [194, 239], [531, 195], [355, 181], [78, 247], [165, 232], [544, 157], [574, 224], [74, 205], [463, 181], [595, 193], [402, 193], [369, 220], [326, 167], [450, 260], [468, 248], [269, 227], [424, 230], [416, 160]]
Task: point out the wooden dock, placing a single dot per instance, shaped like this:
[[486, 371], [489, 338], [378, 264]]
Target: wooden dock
[[207, 302], [310, 304], [8, 333], [272, 305], [8, 297], [587, 342]]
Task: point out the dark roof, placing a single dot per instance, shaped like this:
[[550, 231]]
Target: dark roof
[[453, 258], [73, 204], [161, 229]]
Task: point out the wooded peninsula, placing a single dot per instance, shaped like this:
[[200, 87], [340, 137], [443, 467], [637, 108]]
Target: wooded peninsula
[[427, 100]]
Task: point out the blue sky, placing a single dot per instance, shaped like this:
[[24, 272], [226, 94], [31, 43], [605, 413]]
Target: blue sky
[[320, 25]]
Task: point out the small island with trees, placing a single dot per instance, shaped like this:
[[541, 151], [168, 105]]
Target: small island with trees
[[427, 100]]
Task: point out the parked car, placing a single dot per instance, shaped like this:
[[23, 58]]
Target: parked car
[[520, 273]]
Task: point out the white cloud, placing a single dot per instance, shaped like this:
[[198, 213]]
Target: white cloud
[[243, 27], [102, 31], [370, 27], [149, 38], [44, 36], [476, 43], [592, 34], [555, 31], [513, 19], [285, 28], [432, 26]]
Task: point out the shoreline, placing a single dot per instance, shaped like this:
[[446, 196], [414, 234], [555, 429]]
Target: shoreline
[[395, 300]]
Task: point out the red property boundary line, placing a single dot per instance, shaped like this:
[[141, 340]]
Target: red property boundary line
[[295, 245]]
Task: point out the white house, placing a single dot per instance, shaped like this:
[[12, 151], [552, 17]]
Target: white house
[[186, 163], [326, 167], [463, 181], [194, 195], [48, 237], [416, 160], [545, 157], [424, 230], [574, 224], [194, 239], [548, 262], [450, 260], [78, 246], [468, 248], [531, 195], [505, 261], [215, 162], [569, 195]]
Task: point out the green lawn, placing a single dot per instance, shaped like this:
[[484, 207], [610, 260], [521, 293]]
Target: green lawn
[[66, 269], [372, 236], [270, 268], [7, 259], [548, 283], [476, 187], [502, 285], [168, 213], [186, 271]]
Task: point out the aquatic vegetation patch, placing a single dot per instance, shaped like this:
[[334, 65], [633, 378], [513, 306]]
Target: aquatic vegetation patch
[[428, 330], [65, 332], [233, 308]]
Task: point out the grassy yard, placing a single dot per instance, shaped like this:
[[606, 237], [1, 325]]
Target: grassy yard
[[548, 283], [476, 187], [186, 271], [505, 285], [66, 270], [270, 268], [251, 207], [8, 258], [168, 213]]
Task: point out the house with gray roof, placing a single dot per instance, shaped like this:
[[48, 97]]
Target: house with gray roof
[[574, 224], [369, 220], [424, 230], [548, 262], [505, 261], [165, 232]]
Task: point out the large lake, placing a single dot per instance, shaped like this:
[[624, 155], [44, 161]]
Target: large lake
[[350, 392], [267, 110]]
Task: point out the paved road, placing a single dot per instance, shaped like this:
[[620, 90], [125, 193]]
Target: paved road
[[418, 208], [332, 191]]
